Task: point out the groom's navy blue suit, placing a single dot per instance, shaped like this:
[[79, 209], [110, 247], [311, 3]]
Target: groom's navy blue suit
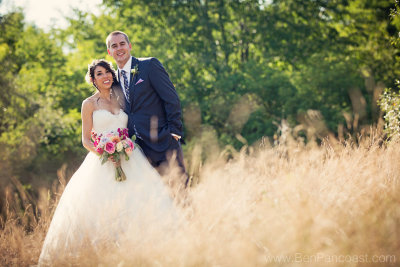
[[154, 111]]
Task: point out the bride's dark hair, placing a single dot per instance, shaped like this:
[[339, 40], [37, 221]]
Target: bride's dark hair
[[99, 62], [108, 66]]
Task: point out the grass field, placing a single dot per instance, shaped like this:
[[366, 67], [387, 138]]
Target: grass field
[[335, 204]]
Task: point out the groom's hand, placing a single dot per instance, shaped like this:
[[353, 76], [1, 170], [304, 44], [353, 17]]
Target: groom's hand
[[177, 137]]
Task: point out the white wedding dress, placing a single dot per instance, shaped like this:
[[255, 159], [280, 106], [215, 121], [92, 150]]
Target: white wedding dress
[[96, 209]]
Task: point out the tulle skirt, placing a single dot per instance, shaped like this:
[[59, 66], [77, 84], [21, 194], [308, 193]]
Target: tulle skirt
[[96, 209]]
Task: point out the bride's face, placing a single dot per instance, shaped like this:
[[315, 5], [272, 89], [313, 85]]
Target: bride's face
[[102, 78]]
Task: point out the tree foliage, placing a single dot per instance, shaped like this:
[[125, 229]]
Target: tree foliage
[[36, 133], [390, 100], [239, 66]]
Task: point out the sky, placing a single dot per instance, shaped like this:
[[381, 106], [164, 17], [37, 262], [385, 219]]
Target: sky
[[45, 13]]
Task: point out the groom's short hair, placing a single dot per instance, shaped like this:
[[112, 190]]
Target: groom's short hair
[[116, 33]]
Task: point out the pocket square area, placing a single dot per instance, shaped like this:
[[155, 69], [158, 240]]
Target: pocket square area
[[140, 80]]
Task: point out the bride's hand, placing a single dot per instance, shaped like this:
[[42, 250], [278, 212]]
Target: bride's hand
[[116, 163]]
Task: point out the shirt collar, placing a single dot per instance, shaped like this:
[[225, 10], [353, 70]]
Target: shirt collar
[[127, 66]]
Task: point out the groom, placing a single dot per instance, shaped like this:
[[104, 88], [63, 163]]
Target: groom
[[151, 102]]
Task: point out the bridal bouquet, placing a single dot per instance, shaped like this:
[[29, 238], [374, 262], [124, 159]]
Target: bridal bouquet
[[115, 144]]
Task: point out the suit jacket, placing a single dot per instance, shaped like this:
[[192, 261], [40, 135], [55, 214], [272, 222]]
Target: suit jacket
[[154, 110]]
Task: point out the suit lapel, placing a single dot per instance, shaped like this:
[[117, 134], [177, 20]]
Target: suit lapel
[[133, 79]]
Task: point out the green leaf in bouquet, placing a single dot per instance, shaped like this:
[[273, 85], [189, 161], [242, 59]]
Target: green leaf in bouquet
[[104, 158]]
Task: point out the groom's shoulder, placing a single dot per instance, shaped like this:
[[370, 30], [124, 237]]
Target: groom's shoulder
[[147, 60]]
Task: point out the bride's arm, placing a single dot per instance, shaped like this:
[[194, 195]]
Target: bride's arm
[[87, 125]]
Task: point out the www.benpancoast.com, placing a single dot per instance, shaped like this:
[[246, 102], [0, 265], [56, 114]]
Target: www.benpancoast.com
[[321, 257]]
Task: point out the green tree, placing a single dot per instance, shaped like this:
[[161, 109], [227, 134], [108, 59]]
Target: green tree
[[35, 132], [390, 100]]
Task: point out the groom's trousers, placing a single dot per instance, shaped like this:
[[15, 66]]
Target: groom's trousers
[[159, 160]]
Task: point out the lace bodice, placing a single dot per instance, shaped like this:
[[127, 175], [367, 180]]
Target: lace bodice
[[105, 121]]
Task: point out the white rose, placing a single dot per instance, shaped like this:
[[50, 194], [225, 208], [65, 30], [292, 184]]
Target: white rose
[[120, 146]]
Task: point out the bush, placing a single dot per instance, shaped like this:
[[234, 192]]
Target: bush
[[390, 105]]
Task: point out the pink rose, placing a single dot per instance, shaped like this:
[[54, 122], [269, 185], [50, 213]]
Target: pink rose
[[99, 150], [130, 143], [128, 151], [110, 148]]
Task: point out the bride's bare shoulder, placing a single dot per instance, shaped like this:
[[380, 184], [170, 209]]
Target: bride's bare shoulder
[[89, 103]]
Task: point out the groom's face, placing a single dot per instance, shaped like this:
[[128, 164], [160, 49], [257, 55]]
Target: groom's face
[[120, 49]]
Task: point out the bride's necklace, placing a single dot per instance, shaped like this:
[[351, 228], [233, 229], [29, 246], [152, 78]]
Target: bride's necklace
[[104, 98], [109, 104]]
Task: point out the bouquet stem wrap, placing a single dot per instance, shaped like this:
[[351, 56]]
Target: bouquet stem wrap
[[119, 174]]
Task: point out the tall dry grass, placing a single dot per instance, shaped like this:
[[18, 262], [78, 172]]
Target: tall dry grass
[[290, 205]]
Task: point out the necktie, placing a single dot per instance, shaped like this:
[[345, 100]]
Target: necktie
[[126, 85]]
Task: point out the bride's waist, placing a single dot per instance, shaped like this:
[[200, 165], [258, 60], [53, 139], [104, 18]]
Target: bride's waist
[[110, 130]]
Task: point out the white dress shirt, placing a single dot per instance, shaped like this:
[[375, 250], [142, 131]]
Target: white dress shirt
[[127, 69]]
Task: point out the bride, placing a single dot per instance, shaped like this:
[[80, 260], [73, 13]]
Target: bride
[[95, 209]]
